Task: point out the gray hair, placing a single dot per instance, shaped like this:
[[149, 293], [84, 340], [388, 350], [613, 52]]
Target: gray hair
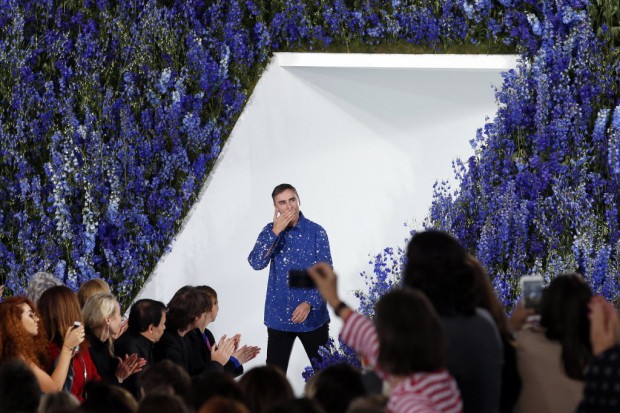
[[40, 282]]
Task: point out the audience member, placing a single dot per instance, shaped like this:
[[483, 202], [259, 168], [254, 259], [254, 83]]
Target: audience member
[[21, 338], [264, 387], [166, 377], [212, 384], [90, 288], [201, 341], [405, 343], [147, 322], [487, 299], [187, 310], [438, 266], [59, 309], [301, 405], [335, 387], [162, 403], [108, 398], [601, 392], [102, 318], [58, 402], [223, 405], [19, 388], [40, 282], [552, 357], [371, 404]]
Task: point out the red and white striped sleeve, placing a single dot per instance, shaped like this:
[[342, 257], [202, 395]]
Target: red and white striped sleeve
[[359, 333]]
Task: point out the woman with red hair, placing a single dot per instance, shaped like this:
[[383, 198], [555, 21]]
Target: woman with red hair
[[21, 338]]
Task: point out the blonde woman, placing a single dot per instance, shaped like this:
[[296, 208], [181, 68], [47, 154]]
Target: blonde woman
[[102, 318]]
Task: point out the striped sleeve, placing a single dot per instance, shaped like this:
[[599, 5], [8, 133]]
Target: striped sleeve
[[360, 334]]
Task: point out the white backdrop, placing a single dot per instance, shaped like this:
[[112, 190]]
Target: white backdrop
[[362, 137]]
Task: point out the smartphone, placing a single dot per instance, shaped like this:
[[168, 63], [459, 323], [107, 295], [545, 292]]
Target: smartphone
[[531, 290], [300, 279], [76, 324]]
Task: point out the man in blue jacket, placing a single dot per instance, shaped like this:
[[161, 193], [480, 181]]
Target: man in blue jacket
[[291, 242]]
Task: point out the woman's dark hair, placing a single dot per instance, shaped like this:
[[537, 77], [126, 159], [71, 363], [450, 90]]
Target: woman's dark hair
[[184, 307], [564, 315], [437, 265], [143, 313], [212, 384], [335, 387], [264, 387], [300, 405], [410, 333]]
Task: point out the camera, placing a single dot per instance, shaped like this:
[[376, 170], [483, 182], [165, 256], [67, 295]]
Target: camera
[[300, 279]]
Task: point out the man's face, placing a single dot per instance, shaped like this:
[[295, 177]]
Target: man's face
[[287, 201]]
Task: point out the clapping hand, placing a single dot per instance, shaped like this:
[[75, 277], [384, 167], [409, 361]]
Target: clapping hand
[[129, 365], [224, 349]]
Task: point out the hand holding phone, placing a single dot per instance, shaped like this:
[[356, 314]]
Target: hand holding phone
[[300, 279]]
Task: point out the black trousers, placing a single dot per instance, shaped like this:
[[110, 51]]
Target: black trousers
[[280, 344]]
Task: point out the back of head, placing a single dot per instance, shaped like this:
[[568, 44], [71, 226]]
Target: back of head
[[58, 401], [90, 288], [40, 282], [143, 313], [19, 388], [301, 405], [162, 403], [166, 374], [437, 265], [223, 405], [371, 404], [108, 398], [264, 387], [564, 315], [212, 384], [184, 307], [335, 386], [410, 333], [59, 308], [487, 298]]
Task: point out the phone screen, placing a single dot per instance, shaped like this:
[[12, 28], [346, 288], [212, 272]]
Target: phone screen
[[531, 292]]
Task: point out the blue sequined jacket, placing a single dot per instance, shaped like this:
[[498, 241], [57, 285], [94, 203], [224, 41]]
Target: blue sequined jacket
[[298, 247]]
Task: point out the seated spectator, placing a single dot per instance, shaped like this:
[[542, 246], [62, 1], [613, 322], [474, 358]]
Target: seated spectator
[[19, 388], [90, 288], [264, 387], [59, 309], [223, 405], [162, 403], [166, 377], [107, 398], [21, 339], [371, 404], [301, 405], [405, 344], [102, 318], [40, 282], [601, 392], [553, 356], [213, 384], [438, 266], [335, 387], [147, 322], [201, 341], [187, 310], [58, 402], [511, 381]]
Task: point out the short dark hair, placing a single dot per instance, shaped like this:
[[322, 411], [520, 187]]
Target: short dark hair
[[210, 294], [184, 307], [143, 313], [162, 403], [437, 264], [166, 374], [19, 388], [281, 188], [335, 387], [213, 384], [264, 387], [410, 333], [564, 315]]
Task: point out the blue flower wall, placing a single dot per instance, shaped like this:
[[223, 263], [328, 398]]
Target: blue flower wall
[[112, 114]]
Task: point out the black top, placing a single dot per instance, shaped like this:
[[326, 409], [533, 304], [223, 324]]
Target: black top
[[171, 346], [200, 355], [128, 344], [601, 392], [100, 353]]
